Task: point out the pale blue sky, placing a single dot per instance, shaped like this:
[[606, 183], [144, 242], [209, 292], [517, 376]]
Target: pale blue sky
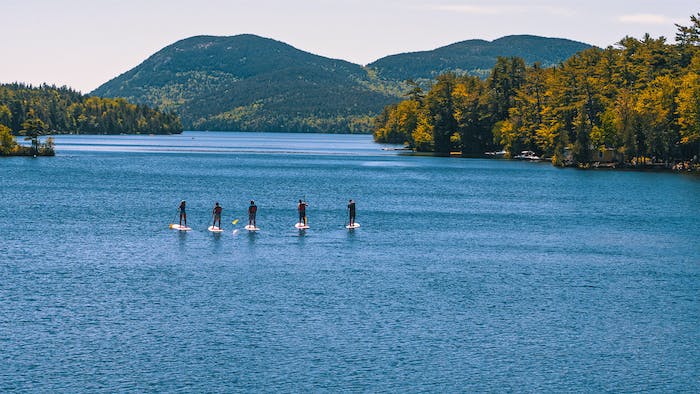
[[84, 43]]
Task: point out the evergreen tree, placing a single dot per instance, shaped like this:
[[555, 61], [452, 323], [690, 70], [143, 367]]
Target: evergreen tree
[[470, 112], [32, 129], [440, 112], [506, 78]]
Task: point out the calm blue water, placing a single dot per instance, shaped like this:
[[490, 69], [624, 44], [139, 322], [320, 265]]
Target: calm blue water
[[466, 275]]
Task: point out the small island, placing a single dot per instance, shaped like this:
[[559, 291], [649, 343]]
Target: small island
[[10, 147], [35, 112]]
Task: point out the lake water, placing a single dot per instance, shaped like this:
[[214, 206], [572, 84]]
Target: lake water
[[466, 275]]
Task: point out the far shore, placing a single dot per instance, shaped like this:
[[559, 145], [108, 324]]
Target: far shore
[[690, 167], [678, 166]]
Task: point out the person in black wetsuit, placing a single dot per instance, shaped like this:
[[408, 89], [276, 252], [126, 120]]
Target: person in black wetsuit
[[216, 212], [183, 214], [252, 211], [351, 210]]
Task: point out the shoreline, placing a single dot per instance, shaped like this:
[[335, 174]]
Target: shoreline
[[683, 167], [27, 151], [28, 154]]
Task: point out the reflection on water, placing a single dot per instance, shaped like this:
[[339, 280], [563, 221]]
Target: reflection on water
[[351, 234], [389, 164], [252, 235], [182, 241], [224, 143]]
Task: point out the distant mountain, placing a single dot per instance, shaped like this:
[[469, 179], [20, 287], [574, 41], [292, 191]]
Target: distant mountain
[[475, 57], [251, 83]]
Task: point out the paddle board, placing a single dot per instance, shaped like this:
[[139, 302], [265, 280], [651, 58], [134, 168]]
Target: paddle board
[[251, 228], [215, 229], [301, 226], [179, 227], [354, 226]]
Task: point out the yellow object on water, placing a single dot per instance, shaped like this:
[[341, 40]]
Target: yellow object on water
[[235, 221], [171, 226]]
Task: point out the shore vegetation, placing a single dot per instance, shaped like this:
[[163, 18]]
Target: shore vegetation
[[633, 104], [35, 112]]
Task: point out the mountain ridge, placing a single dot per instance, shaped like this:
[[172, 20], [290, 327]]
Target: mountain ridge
[[483, 53]]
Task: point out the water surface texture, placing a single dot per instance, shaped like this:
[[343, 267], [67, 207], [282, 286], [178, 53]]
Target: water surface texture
[[466, 275]]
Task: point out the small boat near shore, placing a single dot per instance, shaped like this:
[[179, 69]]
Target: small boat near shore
[[498, 155], [392, 149], [527, 155]]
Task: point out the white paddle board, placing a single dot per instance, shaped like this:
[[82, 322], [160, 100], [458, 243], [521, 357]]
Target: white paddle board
[[301, 226], [179, 227], [354, 225], [251, 228], [215, 229]]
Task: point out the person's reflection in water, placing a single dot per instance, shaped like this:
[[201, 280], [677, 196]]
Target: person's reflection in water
[[182, 243], [218, 243]]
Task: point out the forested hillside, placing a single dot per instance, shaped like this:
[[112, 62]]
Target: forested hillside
[[475, 57], [63, 110], [640, 99], [251, 83]]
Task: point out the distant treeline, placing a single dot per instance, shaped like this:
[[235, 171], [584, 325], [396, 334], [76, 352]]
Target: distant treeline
[[63, 110], [269, 121], [640, 99]]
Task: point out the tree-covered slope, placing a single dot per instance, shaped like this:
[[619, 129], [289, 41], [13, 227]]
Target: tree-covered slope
[[252, 83], [63, 110], [475, 57]]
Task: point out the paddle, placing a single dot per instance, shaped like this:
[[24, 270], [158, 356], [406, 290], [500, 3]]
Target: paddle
[[306, 219], [175, 218]]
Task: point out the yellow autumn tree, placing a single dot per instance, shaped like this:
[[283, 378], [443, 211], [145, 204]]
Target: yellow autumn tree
[[688, 101], [7, 140]]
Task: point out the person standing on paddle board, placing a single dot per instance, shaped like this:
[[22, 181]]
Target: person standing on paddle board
[[351, 210], [302, 211], [252, 210], [183, 214], [216, 212]]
